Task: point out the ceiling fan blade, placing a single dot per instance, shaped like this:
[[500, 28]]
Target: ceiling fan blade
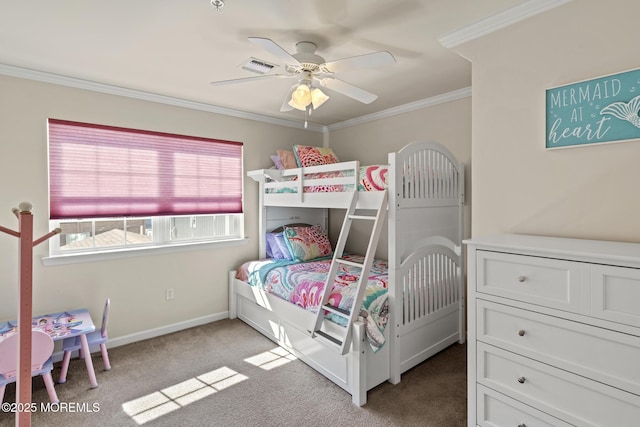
[[285, 104], [348, 90], [249, 79], [369, 60], [273, 48]]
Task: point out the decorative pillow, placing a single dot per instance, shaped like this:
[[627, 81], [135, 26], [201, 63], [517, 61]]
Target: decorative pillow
[[373, 178], [306, 243], [277, 247], [287, 159], [313, 156], [276, 161]]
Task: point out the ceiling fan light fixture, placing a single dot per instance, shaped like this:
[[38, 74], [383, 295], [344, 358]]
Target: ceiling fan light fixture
[[318, 98], [302, 95], [293, 104]]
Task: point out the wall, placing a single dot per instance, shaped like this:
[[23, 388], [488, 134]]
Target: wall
[[448, 123], [135, 285], [518, 186]]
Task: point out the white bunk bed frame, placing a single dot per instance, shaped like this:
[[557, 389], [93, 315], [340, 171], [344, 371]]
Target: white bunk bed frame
[[426, 269]]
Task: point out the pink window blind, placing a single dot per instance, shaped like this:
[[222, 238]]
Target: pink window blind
[[103, 171]]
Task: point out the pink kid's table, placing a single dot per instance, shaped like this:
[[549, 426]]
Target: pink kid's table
[[65, 324]]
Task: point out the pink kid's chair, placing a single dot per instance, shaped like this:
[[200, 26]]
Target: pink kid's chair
[[41, 361], [97, 338]]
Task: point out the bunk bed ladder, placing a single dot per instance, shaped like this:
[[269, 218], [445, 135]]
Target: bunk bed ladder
[[342, 342]]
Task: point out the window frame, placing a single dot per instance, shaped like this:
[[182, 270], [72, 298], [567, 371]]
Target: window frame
[[53, 260], [161, 235]]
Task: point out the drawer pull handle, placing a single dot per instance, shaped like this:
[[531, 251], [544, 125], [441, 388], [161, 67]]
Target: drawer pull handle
[[521, 380], [521, 279], [521, 332], [522, 425]]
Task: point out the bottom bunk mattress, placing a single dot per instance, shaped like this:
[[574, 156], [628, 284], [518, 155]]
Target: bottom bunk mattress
[[302, 284]]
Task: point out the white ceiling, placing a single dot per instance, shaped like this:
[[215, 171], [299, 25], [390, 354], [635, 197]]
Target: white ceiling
[[176, 48]]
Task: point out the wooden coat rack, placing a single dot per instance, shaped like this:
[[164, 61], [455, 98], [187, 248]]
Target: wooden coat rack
[[25, 309]]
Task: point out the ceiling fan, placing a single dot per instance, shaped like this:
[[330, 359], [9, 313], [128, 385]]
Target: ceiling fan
[[313, 72]]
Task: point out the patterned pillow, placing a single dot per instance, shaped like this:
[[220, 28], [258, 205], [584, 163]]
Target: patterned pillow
[[306, 243], [313, 156], [373, 178]]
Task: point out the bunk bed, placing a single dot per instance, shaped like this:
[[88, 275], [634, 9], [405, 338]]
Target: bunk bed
[[423, 199]]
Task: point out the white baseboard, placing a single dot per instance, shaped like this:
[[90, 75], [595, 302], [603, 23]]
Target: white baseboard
[[156, 332]]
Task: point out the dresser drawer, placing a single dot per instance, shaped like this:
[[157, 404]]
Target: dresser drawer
[[616, 294], [548, 282], [497, 410], [572, 398], [604, 355]]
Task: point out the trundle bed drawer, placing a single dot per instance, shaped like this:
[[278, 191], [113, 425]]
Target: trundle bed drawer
[[572, 398], [604, 355], [259, 318], [496, 409], [542, 281]]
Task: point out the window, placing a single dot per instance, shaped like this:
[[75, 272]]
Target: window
[[113, 188]]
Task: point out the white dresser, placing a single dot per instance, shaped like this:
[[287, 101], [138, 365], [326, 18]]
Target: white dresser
[[554, 332]]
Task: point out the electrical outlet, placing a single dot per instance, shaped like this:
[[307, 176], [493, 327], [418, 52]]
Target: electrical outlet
[[169, 293]]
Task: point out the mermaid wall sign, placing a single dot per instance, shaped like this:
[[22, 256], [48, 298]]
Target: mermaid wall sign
[[594, 111]]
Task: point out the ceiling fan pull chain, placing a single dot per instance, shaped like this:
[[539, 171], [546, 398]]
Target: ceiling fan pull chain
[[307, 113]]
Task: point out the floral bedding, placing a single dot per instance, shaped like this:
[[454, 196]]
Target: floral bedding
[[302, 284]]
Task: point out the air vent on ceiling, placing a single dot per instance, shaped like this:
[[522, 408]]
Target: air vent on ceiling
[[258, 66]]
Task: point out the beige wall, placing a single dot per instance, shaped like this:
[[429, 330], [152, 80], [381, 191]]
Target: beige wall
[[135, 285], [448, 123], [518, 186]]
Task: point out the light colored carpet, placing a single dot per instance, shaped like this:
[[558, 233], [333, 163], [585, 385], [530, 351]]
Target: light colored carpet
[[227, 374]]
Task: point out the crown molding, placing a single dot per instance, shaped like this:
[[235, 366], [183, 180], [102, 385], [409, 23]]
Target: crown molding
[[390, 112], [41, 76], [500, 20]]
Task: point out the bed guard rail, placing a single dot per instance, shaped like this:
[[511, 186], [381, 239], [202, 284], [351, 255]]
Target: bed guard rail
[[335, 177]]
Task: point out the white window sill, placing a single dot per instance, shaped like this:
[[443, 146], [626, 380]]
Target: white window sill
[[127, 253]]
